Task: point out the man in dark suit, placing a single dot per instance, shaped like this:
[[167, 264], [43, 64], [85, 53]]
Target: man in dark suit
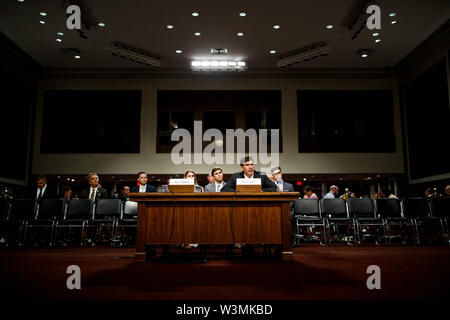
[[218, 183], [143, 186], [95, 191], [278, 179], [248, 171], [43, 189]]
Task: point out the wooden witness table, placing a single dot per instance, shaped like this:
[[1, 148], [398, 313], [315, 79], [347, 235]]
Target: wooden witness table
[[214, 218]]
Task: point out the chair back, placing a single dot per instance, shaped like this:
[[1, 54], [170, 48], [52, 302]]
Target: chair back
[[23, 209], [361, 208], [4, 209], [79, 209], [440, 207], [388, 208], [108, 208], [51, 208], [415, 207], [130, 209], [307, 208], [334, 208]]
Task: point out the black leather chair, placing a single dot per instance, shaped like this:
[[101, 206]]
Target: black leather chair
[[418, 209], [78, 213], [336, 213], [126, 226], [101, 227], [307, 214], [21, 211], [440, 208], [390, 210], [362, 210]]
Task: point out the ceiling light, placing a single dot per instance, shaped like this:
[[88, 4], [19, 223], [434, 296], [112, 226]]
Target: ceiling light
[[329, 26], [178, 51], [42, 22], [77, 57], [197, 34], [304, 179], [375, 34], [101, 24], [58, 40], [169, 26], [393, 22], [195, 14], [134, 54], [242, 14], [364, 53], [240, 34], [219, 51], [306, 53], [60, 34], [378, 40], [218, 65], [20, 0], [276, 27], [43, 13], [272, 51], [392, 14]]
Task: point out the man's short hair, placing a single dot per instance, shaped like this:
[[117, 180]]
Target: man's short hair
[[214, 170], [275, 169], [41, 176], [141, 172], [246, 159], [307, 188], [92, 174], [125, 186], [334, 186]]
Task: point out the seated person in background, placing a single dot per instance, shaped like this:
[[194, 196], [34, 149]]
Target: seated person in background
[[248, 172], [333, 192], [95, 191], [218, 181], [382, 194], [191, 175], [428, 193], [210, 178], [447, 190], [278, 180], [142, 178], [271, 177], [309, 194], [67, 193], [124, 191], [42, 190], [375, 195]]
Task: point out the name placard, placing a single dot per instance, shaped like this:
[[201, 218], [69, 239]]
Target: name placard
[[248, 182], [181, 182]]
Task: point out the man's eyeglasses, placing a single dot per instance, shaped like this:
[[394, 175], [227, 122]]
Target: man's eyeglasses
[[276, 173]]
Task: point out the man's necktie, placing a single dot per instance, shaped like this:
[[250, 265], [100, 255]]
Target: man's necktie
[[40, 194], [218, 188], [92, 195]]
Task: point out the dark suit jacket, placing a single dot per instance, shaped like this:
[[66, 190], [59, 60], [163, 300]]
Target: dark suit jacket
[[266, 184], [287, 187], [101, 194], [50, 193], [148, 189]]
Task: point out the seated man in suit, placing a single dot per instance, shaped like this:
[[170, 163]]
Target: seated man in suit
[[218, 183], [43, 190], [143, 186], [95, 191], [248, 172], [281, 185]]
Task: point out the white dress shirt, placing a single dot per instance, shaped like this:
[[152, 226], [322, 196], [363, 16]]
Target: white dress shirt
[[93, 190], [143, 188], [43, 191]]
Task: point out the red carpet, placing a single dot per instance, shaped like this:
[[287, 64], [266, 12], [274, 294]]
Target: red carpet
[[336, 272]]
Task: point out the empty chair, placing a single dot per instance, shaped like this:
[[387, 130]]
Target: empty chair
[[106, 214], [307, 214], [4, 209], [21, 211], [79, 212], [4, 221], [440, 208], [362, 210], [418, 209], [336, 213], [48, 212], [390, 211], [126, 226]]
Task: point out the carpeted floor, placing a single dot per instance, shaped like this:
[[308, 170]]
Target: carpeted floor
[[336, 272]]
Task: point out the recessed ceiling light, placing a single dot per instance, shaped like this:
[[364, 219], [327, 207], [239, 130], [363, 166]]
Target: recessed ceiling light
[[330, 26], [375, 34], [276, 27], [101, 24], [42, 22], [43, 13], [364, 55], [169, 26], [197, 34], [378, 40], [58, 40], [272, 51], [60, 34], [195, 14], [304, 179], [178, 51], [77, 57], [393, 22], [240, 34], [392, 14], [242, 14], [20, 0]]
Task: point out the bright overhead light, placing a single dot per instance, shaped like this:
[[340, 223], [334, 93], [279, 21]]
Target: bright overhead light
[[240, 34], [178, 51], [20, 0], [330, 26], [42, 22], [393, 22], [101, 24], [276, 27], [378, 40], [58, 40], [169, 26], [242, 14], [375, 34], [364, 55], [43, 13], [272, 51], [195, 14], [60, 34], [218, 65], [304, 179], [197, 34], [392, 14], [77, 57]]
